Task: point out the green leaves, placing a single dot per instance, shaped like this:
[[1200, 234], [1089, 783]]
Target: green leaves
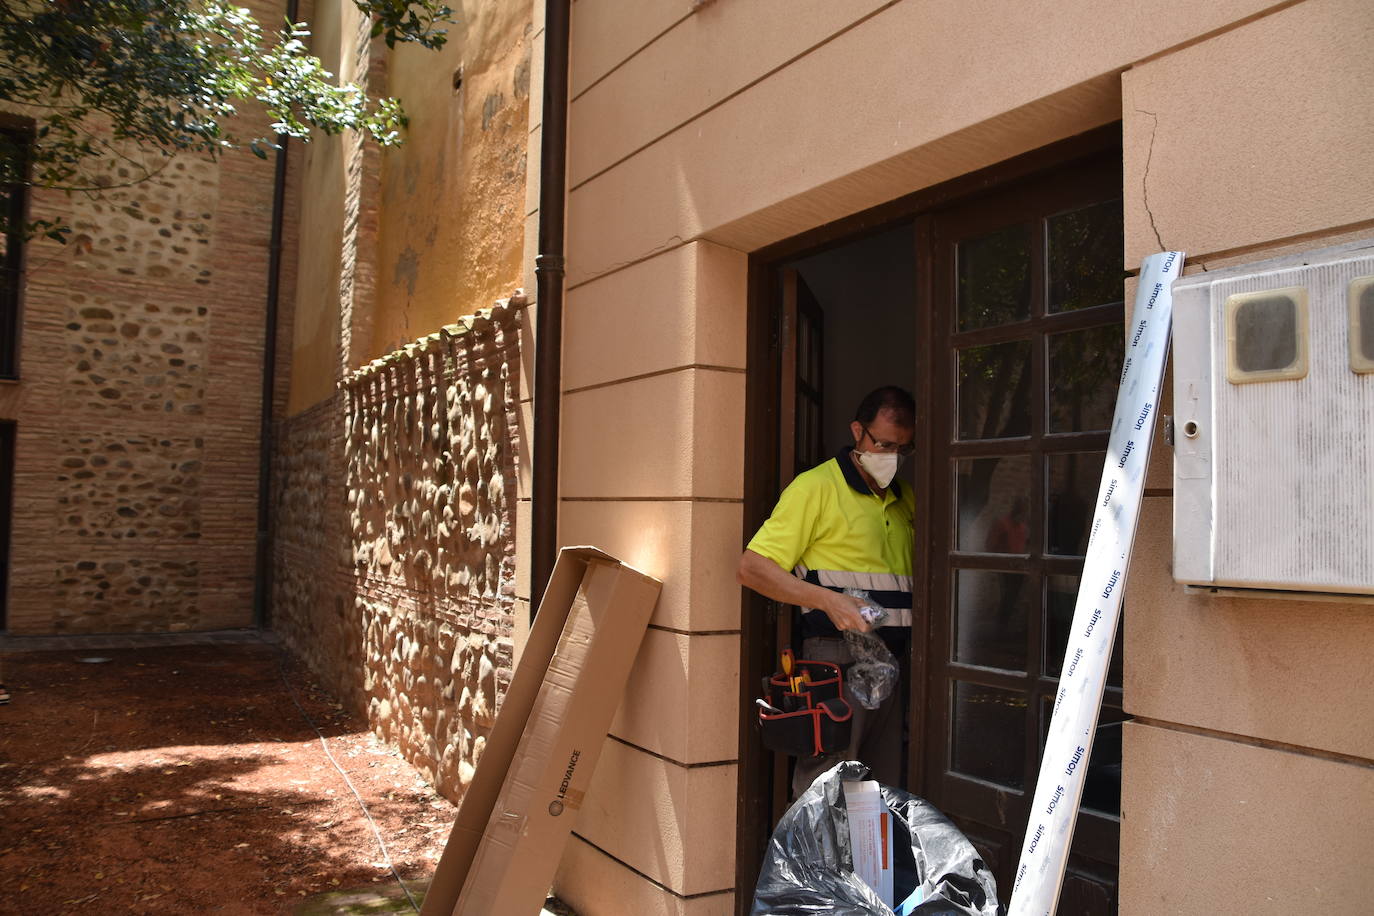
[[143, 80], [406, 21]]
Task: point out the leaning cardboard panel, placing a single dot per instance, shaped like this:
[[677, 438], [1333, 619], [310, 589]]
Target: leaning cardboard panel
[[553, 766], [562, 697]]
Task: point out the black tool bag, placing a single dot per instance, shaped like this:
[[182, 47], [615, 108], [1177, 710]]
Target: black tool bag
[[810, 721]]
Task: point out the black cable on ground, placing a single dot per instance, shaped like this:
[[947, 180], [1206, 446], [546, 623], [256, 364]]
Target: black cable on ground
[[386, 856]]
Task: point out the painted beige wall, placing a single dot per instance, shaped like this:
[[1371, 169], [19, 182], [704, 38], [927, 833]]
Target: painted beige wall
[[1291, 672], [693, 142], [772, 147], [653, 377], [452, 218], [1222, 826], [1255, 741], [1259, 136]]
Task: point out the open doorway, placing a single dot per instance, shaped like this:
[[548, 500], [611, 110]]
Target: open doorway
[[997, 301], [856, 327], [841, 321]]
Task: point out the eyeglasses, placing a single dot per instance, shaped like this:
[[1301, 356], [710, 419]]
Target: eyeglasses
[[880, 445]]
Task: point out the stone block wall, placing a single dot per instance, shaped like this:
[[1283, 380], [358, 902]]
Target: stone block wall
[[394, 539], [138, 402]]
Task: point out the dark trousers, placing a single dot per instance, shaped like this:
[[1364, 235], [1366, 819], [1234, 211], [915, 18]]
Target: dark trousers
[[876, 734]]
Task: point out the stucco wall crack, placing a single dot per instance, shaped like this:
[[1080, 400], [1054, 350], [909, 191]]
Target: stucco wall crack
[[1145, 178]]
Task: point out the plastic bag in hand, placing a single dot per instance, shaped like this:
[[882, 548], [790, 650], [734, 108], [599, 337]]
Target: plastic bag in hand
[[874, 674]]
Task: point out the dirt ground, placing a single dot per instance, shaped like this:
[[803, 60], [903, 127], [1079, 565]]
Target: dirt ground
[[186, 779]]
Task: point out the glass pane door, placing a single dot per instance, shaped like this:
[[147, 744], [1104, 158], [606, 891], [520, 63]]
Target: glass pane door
[[1028, 322]]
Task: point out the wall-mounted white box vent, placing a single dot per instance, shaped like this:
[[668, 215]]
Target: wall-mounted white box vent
[[1274, 424]]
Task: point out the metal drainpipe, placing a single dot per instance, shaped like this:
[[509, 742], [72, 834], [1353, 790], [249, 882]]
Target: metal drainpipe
[[262, 572], [548, 271]]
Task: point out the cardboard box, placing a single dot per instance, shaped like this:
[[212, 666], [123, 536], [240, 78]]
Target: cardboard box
[[530, 783]]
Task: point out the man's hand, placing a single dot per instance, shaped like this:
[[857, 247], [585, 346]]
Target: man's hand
[[843, 611], [772, 581]]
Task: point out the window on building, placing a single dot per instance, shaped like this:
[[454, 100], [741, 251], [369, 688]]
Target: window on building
[[14, 154]]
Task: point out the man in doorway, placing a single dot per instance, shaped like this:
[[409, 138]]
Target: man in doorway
[[847, 523]]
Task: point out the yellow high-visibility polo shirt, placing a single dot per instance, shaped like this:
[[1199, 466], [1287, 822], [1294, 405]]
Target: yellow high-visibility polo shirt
[[831, 529]]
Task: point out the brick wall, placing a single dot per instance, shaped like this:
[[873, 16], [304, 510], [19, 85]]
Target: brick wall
[[393, 561], [138, 406]]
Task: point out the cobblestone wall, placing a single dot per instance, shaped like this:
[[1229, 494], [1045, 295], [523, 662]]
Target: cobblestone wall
[[394, 544], [145, 357]]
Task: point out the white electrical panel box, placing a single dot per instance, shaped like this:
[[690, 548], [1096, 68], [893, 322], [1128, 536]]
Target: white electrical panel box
[[1273, 426]]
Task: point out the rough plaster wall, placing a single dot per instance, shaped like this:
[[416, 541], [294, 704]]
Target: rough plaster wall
[[394, 541], [332, 321], [451, 222], [363, 164]]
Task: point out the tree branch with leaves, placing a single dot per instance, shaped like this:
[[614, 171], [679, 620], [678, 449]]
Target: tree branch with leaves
[[150, 79]]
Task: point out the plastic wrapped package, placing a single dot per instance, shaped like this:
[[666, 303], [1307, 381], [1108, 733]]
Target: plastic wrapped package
[[874, 675], [808, 868]]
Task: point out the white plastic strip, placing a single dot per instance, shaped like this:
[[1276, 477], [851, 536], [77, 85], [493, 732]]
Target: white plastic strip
[[1069, 743]]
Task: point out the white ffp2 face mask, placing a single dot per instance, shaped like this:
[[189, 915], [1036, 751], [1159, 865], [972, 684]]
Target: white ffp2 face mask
[[881, 466]]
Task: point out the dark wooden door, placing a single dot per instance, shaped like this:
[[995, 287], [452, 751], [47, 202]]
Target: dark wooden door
[[1026, 311], [786, 423], [801, 345]]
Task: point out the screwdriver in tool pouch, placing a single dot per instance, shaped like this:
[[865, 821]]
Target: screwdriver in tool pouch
[[793, 683]]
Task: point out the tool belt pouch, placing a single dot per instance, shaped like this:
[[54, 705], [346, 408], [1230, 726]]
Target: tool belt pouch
[[812, 722]]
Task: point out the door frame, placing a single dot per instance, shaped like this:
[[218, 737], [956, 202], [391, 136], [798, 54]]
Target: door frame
[[764, 421]]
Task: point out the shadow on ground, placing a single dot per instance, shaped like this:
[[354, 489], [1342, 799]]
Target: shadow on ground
[[186, 779]]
